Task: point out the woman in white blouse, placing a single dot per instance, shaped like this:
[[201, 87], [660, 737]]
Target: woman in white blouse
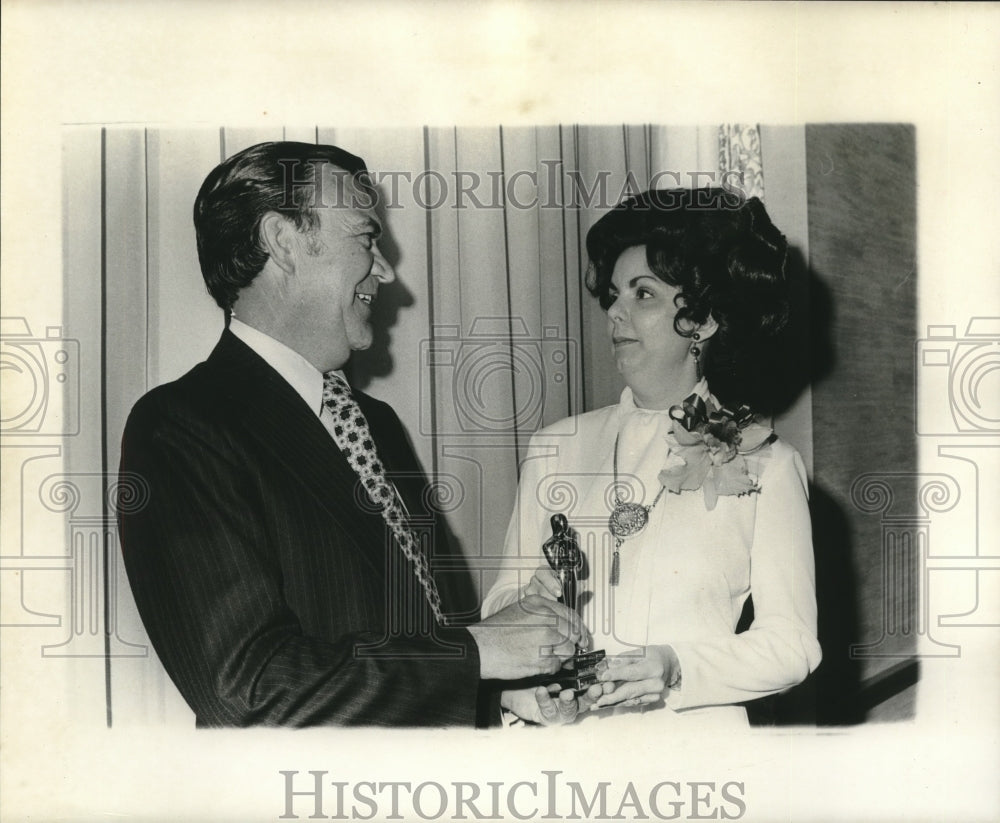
[[683, 501]]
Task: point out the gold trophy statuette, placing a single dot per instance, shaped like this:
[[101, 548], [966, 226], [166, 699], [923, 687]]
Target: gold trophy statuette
[[564, 556]]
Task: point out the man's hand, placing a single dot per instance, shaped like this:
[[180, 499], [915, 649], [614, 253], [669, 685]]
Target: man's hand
[[533, 636], [548, 705], [630, 681]]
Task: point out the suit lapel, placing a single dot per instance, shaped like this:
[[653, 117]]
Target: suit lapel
[[274, 414]]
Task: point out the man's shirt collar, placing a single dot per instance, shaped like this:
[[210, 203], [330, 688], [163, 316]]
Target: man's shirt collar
[[298, 372]]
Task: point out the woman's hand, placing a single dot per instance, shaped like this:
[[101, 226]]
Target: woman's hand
[[548, 705], [637, 680], [543, 583]]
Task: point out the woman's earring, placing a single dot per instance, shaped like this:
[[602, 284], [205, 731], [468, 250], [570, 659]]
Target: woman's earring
[[696, 353]]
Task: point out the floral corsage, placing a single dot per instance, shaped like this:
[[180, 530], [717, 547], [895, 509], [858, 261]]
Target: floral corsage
[[706, 447]]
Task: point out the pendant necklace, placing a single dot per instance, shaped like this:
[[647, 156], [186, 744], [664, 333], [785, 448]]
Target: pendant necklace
[[627, 519]]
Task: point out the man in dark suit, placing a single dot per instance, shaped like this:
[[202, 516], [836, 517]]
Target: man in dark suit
[[276, 588]]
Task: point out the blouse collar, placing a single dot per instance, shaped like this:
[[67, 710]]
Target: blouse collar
[[626, 404], [298, 372]]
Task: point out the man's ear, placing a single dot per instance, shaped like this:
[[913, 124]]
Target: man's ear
[[278, 237], [708, 328]]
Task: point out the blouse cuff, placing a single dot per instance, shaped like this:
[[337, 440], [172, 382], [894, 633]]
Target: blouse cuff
[[675, 697]]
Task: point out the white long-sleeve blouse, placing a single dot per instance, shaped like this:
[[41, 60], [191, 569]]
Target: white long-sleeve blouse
[[685, 578]]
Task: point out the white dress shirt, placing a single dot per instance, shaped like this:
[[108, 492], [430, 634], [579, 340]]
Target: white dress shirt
[[298, 372]]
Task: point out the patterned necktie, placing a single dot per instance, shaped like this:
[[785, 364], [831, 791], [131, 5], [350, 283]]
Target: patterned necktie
[[354, 439]]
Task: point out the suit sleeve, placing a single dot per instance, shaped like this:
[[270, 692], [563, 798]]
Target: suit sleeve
[[780, 648], [209, 591]]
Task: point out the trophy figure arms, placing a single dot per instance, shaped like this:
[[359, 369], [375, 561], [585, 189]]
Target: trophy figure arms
[[563, 554]]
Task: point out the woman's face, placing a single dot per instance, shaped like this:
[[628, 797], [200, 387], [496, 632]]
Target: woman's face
[[647, 349]]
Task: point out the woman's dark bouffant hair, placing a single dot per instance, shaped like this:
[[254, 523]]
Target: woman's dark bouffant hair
[[727, 259]]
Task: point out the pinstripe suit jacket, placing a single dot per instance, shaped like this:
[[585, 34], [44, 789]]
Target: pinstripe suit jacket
[[265, 587]]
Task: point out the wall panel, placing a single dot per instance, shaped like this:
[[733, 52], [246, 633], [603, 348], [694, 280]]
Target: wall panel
[[862, 236]]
